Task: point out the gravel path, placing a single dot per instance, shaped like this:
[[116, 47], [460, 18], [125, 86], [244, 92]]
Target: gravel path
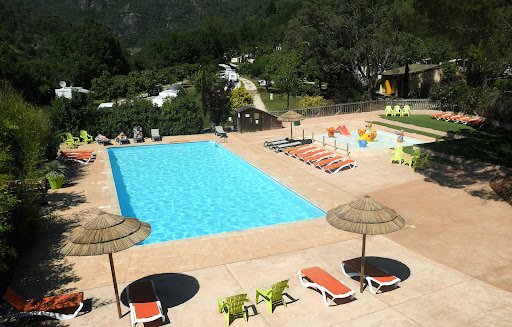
[[258, 103]]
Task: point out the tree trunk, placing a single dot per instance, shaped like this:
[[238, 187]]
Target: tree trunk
[[288, 101]]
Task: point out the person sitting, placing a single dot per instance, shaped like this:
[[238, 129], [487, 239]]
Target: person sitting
[[121, 138], [137, 134], [102, 139]]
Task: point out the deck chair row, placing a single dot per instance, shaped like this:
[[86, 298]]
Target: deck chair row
[[320, 158], [461, 119]]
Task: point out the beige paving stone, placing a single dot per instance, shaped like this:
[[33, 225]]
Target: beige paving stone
[[468, 303], [454, 255], [383, 318]]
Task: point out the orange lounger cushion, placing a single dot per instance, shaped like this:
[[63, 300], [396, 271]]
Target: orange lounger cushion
[[300, 151], [328, 161], [322, 278], [146, 310], [318, 156], [309, 154], [55, 302], [295, 148]]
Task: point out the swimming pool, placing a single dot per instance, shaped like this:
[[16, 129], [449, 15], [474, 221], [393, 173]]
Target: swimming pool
[[383, 140], [187, 190]]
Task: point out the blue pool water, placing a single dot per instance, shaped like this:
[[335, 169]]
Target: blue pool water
[[193, 189], [383, 140]]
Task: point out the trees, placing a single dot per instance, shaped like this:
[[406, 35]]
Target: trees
[[86, 51], [240, 97], [287, 74], [359, 37]]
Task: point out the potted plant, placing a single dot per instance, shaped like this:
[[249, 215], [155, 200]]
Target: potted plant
[[55, 173]]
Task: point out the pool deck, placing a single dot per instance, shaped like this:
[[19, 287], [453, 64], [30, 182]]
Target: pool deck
[[454, 255]]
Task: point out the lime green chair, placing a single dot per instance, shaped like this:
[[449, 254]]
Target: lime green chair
[[233, 306], [419, 162], [410, 158], [85, 137], [397, 154], [389, 111], [396, 111], [406, 111], [273, 295], [70, 141]]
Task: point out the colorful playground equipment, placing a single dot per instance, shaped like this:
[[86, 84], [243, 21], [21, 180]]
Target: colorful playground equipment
[[370, 136], [331, 131], [400, 137]]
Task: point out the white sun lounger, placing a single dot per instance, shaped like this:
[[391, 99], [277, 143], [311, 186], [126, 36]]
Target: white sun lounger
[[372, 274], [325, 283], [336, 167]]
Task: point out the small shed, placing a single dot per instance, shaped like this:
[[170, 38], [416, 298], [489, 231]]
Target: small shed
[[420, 77], [251, 119]]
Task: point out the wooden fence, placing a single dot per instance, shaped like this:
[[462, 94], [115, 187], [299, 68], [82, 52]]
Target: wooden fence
[[365, 106]]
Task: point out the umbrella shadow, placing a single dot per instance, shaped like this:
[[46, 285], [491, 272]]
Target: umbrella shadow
[[172, 289], [389, 266]]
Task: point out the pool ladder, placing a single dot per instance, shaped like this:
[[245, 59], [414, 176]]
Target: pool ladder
[[220, 138]]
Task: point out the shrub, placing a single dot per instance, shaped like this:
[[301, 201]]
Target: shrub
[[312, 102]]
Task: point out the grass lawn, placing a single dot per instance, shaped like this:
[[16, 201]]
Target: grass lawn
[[279, 101], [426, 121], [492, 145]]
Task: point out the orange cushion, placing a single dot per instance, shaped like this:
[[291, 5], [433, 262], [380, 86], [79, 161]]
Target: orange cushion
[[385, 279], [55, 302], [319, 276], [146, 310]]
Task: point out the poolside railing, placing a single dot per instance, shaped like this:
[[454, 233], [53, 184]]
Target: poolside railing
[[363, 106]]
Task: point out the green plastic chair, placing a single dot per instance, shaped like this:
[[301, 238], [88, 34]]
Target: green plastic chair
[[406, 111], [389, 111], [397, 154], [409, 158], [234, 306], [396, 111], [419, 162], [273, 295], [85, 137], [70, 141]]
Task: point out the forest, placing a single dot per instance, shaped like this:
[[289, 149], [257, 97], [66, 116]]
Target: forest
[[342, 44]]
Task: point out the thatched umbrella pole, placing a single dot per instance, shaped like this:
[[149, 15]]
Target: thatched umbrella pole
[[365, 216], [107, 234], [361, 281], [292, 117], [114, 279]]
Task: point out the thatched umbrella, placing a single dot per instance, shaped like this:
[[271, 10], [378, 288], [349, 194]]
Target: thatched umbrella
[[365, 216], [107, 234], [291, 116]]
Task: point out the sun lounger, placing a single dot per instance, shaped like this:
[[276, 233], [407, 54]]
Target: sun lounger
[[155, 134], [122, 138], [309, 154], [81, 158], [455, 118], [336, 167], [311, 159], [219, 131], [328, 161], [297, 148], [372, 274], [144, 304], [302, 151], [277, 143], [440, 114], [61, 307], [325, 283], [267, 143], [281, 147]]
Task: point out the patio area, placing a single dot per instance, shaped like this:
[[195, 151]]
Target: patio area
[[454, 255]]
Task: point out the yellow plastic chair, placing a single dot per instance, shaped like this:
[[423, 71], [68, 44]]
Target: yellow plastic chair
[[389, 111], [85, 137], [419, 162], [70, 141], [397, 154], [409, 158], [396, 111], [406, 111], [273, 295], [233, 306]]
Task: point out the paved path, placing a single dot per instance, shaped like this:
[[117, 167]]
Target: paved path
[[258, 103]]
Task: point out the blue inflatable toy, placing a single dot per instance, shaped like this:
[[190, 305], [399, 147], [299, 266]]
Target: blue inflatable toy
[[363, 143]]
